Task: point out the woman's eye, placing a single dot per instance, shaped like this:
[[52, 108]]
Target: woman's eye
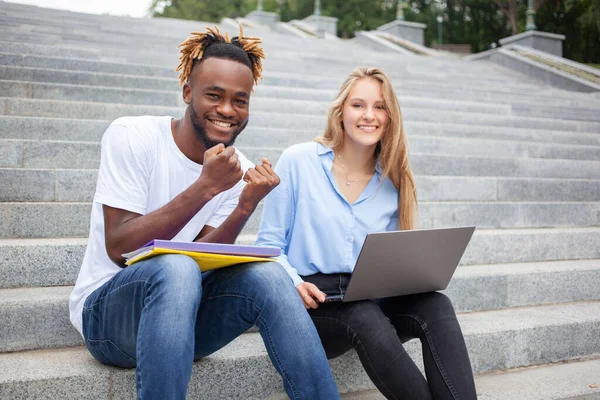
[[356, 105]]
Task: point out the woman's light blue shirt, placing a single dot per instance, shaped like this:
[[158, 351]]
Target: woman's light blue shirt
[[310, 220]]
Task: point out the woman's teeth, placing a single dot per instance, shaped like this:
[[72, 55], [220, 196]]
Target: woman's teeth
[[367, 128]]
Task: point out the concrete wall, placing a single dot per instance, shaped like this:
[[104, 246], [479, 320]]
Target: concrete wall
[[326, 24], [543, 41], [264, 18], [405, 30], [539, 72]]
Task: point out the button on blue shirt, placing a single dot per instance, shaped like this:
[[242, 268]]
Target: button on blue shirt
[[308, 217]]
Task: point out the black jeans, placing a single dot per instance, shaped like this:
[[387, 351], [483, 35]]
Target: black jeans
[[376, 329]]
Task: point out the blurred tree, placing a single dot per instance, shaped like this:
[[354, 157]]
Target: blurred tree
[[510, 8], [480, 23], [201, 10], [579, 21]]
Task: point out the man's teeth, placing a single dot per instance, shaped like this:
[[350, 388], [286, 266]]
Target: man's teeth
[[222, 124], [367, 128]]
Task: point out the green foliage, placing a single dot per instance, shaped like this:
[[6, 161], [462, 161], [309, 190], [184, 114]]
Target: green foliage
[[201, 10], [480, 23], [579, 21], [359, 15]]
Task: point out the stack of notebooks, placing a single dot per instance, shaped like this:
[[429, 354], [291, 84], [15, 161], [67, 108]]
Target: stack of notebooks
[[207, 255]]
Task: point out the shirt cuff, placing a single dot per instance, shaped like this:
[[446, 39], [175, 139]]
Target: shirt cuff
[[296, 279]]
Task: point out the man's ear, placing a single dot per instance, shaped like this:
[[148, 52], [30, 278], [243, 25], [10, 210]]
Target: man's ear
[[187, 93]]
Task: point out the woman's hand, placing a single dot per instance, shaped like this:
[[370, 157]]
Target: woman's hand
[[310, 294]]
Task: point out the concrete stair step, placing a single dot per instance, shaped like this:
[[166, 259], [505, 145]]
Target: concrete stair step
[[498, 133], [45, 50], [82, 67], [81, 72], [280, 49], [30, 27], [38, 317], [60, 219], [338, 61], [496, 340], [104, 21], [275, 44], [57, 130], [86, 155], [574, 380], [84, 86], [68, 28], [56, 261], [78, 185], [560, 381], [63, 70], [14, 67], [287, 109], [506, 141], [263, 96], [539, 110]]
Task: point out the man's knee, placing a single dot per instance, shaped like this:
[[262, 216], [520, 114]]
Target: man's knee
[[176, 273], [271, 285], [269, 276]]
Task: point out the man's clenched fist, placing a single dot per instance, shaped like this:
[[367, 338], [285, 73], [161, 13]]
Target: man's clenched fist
[[221, 169], [260, 181]]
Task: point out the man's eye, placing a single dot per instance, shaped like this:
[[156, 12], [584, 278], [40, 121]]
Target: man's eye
[[242, 102], [212, 95]]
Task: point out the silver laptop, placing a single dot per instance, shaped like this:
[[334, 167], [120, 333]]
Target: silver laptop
[[406, 262]]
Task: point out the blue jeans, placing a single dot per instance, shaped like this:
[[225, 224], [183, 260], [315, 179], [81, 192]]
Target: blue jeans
[[160, 314]]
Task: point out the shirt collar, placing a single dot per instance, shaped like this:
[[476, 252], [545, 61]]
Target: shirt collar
[[322, 150]]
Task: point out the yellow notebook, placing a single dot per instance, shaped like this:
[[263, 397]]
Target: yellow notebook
[[206, 261]]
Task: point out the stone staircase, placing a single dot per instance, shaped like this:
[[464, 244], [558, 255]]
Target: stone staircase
[[518, 160]]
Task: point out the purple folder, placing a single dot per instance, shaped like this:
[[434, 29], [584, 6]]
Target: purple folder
[[216, 248]]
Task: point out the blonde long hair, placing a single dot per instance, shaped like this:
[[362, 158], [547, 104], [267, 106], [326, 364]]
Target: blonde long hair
[[392, 148]]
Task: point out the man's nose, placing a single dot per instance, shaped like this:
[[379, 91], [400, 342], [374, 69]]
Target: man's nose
[[226, 109]]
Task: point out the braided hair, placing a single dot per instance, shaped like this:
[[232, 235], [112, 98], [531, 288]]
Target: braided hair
[[202, 45]]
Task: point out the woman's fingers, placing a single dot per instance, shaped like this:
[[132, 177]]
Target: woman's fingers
[[310, 294], [316, 293], [309, 302]]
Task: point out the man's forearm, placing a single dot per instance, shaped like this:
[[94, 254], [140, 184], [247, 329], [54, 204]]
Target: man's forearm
[[230, 229], [163, 223]]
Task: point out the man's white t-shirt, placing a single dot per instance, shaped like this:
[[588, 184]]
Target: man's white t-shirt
[[141, 170]]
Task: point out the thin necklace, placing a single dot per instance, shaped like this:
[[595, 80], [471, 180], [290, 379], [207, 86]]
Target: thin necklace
[[350, 181]]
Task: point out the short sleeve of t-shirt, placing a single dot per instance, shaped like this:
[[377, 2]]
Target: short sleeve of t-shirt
[[125, 167]]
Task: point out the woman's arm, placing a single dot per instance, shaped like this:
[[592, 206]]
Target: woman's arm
[[276, 225]]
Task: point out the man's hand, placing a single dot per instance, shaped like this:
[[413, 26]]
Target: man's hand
[[310, 294], [260, 181], [221, 169]]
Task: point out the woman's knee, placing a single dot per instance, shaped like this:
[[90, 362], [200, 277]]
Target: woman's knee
[[430, 308], [438, 303], [366, 320]]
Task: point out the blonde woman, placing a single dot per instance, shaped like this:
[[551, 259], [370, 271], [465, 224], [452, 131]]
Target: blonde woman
[[353, 180]]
